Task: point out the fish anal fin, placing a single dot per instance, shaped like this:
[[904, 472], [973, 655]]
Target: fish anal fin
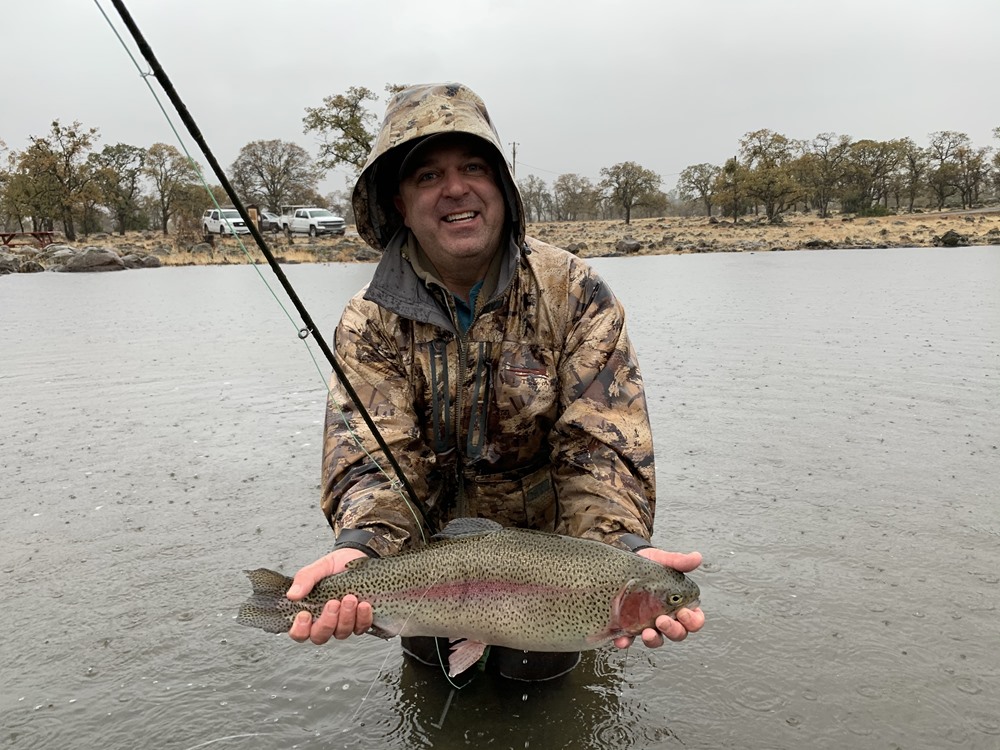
[[463, 655], [382, 633]]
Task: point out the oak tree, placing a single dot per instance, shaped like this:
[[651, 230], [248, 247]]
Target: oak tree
[[272, 173], [629, 185], [173, 180], [697, 182], [118, 175]]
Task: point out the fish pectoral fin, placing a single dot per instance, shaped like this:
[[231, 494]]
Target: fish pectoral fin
[[463, 655]]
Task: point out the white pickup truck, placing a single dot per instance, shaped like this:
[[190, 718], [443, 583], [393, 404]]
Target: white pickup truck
[[214, 221], [311, 220]]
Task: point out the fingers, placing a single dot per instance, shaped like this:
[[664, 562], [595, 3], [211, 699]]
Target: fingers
[[308, 576], [687, 621], [340, 619], [692, 619], [328, 565], [684, 562]]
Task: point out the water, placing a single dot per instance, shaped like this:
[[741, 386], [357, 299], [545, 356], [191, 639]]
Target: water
[[827, 435]]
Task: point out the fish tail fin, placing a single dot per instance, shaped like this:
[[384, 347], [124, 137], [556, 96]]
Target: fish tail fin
[[268, 608], [269, 582]]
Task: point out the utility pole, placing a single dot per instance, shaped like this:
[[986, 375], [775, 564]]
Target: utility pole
[[513, 158]]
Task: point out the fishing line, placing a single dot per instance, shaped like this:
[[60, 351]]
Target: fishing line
[[308, 328], [388, 653]]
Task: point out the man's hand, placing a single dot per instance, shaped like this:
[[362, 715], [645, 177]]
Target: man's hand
[[688, 620], [340, 618]]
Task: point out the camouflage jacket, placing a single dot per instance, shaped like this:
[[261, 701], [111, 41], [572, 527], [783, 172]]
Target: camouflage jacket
[[535, 418]]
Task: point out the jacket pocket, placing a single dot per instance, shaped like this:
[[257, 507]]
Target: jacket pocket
[[527, 501]]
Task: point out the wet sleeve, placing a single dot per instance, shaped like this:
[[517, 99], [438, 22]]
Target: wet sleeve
[[359, 487], [604, 469]]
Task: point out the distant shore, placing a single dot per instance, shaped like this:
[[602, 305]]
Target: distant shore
[[589, 239], [675, 235]]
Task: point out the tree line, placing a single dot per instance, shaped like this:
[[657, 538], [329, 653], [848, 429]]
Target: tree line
[[62, 180], [772, 174]]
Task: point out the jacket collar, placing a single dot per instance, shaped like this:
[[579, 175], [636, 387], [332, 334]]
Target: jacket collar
[[399, 288]]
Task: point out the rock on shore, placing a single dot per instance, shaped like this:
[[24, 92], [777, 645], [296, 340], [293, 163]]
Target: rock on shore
[[65, 258]]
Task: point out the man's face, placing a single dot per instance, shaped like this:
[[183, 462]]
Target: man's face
[[451, 202]]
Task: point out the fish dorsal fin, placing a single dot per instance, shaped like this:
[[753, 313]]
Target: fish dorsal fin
[[460, 527], [357, 562]]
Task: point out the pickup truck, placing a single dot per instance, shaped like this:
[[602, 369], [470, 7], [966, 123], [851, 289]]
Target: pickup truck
[[215, 221], [311, 220]]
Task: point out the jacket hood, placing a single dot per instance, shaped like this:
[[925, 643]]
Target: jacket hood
[[412, 115]]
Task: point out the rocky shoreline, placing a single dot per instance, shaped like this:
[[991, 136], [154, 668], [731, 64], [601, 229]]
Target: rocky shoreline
[[668, 235]]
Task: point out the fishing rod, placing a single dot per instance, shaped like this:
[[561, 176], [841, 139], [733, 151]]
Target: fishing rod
[[309, 327]]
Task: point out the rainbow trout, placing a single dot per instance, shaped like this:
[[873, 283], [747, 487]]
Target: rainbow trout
[[491, 585]]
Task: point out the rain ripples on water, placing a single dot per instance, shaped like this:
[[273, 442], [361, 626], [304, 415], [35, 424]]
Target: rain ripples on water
[[826, 435]]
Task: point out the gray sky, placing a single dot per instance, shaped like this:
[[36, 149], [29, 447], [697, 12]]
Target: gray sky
[[578, 84]]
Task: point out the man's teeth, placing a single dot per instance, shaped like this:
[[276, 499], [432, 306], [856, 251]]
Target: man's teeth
[[460, 217]]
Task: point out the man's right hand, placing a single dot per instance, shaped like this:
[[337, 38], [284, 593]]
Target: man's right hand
[[340, 617]]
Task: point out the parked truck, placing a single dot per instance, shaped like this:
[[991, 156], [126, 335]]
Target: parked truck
[[311, 220], [225, 221]]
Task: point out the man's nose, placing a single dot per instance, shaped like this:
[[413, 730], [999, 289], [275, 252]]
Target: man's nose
[[455, 184]]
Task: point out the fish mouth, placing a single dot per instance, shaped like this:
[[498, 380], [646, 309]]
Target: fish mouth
[[693, 604], [460, 216]]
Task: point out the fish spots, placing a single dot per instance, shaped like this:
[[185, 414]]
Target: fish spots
[[513, 587]]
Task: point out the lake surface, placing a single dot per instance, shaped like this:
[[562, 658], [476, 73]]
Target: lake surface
[[828, 434]]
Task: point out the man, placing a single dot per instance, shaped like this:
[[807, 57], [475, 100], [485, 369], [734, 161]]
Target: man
[[497, 368]]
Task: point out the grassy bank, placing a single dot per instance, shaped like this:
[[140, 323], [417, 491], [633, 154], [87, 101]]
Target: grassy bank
[[598, 238]]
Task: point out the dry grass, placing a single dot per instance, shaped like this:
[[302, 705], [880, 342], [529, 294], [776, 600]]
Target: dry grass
[[596, 238], [801, 231], [192, 251]]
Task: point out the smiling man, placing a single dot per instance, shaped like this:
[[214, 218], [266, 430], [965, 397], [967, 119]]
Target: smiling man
[[497, 367]]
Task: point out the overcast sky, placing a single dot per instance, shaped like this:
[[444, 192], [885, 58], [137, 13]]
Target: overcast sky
[[577, 84]]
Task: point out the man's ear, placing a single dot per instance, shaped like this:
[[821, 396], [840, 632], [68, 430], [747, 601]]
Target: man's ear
[[401, 207]]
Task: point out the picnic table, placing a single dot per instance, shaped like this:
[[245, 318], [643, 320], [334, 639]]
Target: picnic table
[[42, 238]]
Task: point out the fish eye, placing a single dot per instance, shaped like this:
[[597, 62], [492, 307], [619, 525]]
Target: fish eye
[[676, 598]]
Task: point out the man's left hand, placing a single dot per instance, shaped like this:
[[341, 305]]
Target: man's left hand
[[687, 620]]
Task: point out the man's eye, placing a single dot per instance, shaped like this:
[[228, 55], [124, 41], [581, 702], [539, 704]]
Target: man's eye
[[425, 176]]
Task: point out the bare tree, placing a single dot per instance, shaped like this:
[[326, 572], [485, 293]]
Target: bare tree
[[536, 197]]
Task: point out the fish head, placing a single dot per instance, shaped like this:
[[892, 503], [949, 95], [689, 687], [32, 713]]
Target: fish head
[[642, 600]]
